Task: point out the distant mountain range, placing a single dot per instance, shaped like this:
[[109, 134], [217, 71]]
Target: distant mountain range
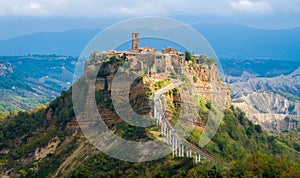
[[236, 41], [228, 40], [69, 43]]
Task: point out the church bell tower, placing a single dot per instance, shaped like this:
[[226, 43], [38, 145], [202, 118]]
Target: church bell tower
[[135, 41]]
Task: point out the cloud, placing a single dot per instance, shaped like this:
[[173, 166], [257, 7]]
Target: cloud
[[112, 8], [129, 8], [30, 8], [260, 7]]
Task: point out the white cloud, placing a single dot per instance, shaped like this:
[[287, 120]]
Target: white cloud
[[261, 7], [30, 8], [127, 8]]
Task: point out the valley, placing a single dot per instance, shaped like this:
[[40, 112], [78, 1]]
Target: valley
[[29, 81]]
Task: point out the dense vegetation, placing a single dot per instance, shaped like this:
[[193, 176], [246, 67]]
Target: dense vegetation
[[249, 151], [23, 132]]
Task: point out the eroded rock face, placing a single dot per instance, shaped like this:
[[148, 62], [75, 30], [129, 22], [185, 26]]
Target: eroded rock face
[[272, 111], [41, 153], [209, 86], [248, 83], [203, 77]]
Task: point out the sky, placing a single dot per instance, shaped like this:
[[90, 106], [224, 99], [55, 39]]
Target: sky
[[19, 17]]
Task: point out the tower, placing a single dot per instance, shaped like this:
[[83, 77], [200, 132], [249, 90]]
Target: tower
[[135, 41]]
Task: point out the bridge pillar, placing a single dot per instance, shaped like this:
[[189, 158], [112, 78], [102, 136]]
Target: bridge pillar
[[162, 130], [197, 158], [176, 147], [173, 144], [165, 128], [170, 135], [160, 120], [167, 137], [157, 118], [190, 153], [182, 150], [187, 152]]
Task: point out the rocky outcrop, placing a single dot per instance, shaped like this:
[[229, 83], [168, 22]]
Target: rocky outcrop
[[263, 101], [41, 153], [248, 83], [209, 86], [272, 111]]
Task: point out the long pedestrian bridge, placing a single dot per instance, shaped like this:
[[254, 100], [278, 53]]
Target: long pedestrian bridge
[[180, 147]]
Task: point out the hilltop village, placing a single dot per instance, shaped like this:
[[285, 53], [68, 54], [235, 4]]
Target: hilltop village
[[152, 61], [200, 70]]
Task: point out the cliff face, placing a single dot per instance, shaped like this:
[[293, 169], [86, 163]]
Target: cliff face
[[209, 86], [203, 77], [274, 112]]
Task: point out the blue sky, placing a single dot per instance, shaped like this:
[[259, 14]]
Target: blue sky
[[18, 17]]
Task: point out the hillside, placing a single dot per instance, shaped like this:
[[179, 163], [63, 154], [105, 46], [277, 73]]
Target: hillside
[[47, 142], [28, 81]]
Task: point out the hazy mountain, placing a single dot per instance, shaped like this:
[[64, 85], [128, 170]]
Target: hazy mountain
[[238, 41], [69, 43], [228, 40]]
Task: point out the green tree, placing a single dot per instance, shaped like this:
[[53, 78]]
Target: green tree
[[202, 58], [188, 56], [2, 115]]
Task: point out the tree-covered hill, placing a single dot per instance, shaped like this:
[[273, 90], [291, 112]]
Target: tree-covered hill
[[47, 142]]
